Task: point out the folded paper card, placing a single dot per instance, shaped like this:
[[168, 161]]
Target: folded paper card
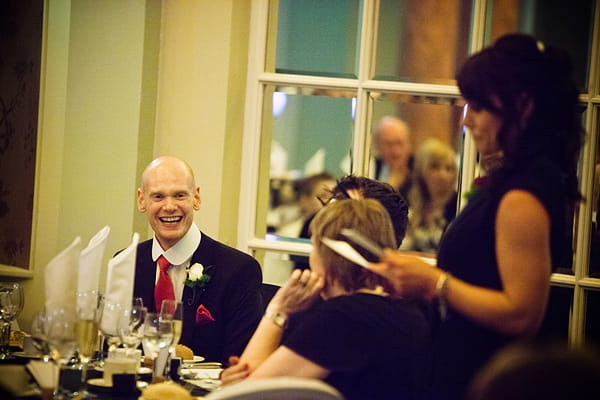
[[60, 278], [45, 373]]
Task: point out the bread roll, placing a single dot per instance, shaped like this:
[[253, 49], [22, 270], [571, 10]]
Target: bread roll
[[166, 390], [184, 352]]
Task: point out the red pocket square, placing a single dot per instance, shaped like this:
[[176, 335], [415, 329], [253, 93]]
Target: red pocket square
[[203, 316]]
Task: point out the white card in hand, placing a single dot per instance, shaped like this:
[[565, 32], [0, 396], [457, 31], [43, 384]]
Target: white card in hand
[[345, 250]]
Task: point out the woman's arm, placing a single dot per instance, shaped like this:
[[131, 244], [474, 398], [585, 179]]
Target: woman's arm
[[285, 362], [524, 262], [297, 294]]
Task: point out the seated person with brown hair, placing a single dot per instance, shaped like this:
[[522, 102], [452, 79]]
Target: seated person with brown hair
[[359, 340]]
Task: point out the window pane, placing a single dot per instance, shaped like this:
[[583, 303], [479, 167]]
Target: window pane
[[316, 37], [277, 266], [551, 23], [555, 326], [422, 164], [422, 41], [592, 317], [309, 134]]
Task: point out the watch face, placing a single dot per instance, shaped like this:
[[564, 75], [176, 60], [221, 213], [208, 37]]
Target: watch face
[[280, 319]]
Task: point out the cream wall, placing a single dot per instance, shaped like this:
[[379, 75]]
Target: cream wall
[[202, 81], [122, 82]]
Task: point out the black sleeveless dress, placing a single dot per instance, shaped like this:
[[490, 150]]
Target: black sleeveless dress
[[467, 251]]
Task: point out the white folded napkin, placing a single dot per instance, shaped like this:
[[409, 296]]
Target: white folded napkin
[[60, 278], [119, 285], [90, 262]]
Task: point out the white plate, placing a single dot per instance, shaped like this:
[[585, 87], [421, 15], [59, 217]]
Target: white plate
[[140, 370], [23, 354], [195, 360], [101, 383]]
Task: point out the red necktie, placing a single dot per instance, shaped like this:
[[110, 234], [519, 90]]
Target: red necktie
[[164, 286]]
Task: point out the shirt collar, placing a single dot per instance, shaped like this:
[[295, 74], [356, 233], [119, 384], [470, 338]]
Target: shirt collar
[[182, 250]]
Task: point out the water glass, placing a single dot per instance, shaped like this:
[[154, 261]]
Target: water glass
[[11, 304], [158, 335]]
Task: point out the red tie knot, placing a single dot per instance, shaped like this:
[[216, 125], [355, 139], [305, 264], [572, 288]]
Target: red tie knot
[[163, 264]]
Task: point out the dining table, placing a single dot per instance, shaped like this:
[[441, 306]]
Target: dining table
[[198, 377]]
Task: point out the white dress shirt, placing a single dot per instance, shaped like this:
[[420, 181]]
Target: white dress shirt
[[179, 256]]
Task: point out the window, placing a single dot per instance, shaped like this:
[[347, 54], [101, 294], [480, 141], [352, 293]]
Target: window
[[322, 74]]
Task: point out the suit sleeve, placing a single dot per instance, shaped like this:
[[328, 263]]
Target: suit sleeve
[[244, 307]]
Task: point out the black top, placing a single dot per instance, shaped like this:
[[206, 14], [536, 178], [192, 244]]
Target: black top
[[467, 250], [405, 187], [372, 345]]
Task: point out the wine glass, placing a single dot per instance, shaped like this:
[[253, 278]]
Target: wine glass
[[137, 302], [158, 335], [63, 341], [86, 331], [39, 334], [130, 326], [108, 327], [11, 304], [172, 310]]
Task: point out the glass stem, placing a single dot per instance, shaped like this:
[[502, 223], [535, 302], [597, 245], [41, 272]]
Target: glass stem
[[5, 340], [84, 366]]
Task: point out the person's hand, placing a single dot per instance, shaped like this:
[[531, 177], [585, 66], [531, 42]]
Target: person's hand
[[410, 276], [300, 291], [235, 372]]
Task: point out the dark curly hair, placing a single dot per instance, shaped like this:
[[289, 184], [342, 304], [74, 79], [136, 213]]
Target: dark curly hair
[[390, 198], [519, 72]]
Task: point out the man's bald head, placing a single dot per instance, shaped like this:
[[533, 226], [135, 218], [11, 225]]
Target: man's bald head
[[168, 195], [392, 142]]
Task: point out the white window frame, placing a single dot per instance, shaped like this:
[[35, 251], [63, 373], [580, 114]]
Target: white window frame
[[257, 78]]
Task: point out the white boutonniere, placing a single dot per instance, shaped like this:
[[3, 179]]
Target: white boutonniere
[[196, 276]]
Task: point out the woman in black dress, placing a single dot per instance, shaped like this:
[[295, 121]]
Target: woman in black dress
[[491, 283], [360, 340]]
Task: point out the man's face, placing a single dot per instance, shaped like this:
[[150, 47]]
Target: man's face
[[169, 197], [393, 145]]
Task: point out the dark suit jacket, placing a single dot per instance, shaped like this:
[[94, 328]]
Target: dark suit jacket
[[232, 296]]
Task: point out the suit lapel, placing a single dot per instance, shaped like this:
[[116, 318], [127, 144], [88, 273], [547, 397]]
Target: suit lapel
[[192, 297]]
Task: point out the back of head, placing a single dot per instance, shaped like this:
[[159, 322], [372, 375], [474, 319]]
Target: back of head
[[530, 86], [356, 187], [524, 372], [366, 216]]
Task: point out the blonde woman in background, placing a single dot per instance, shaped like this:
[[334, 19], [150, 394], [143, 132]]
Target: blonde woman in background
[[432, 196]]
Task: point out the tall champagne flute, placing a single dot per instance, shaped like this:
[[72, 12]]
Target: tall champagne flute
[[11, 304], [158, 335], [86, 331]]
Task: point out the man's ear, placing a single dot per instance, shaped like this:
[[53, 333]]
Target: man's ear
[[141, 204], [197, 198]]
